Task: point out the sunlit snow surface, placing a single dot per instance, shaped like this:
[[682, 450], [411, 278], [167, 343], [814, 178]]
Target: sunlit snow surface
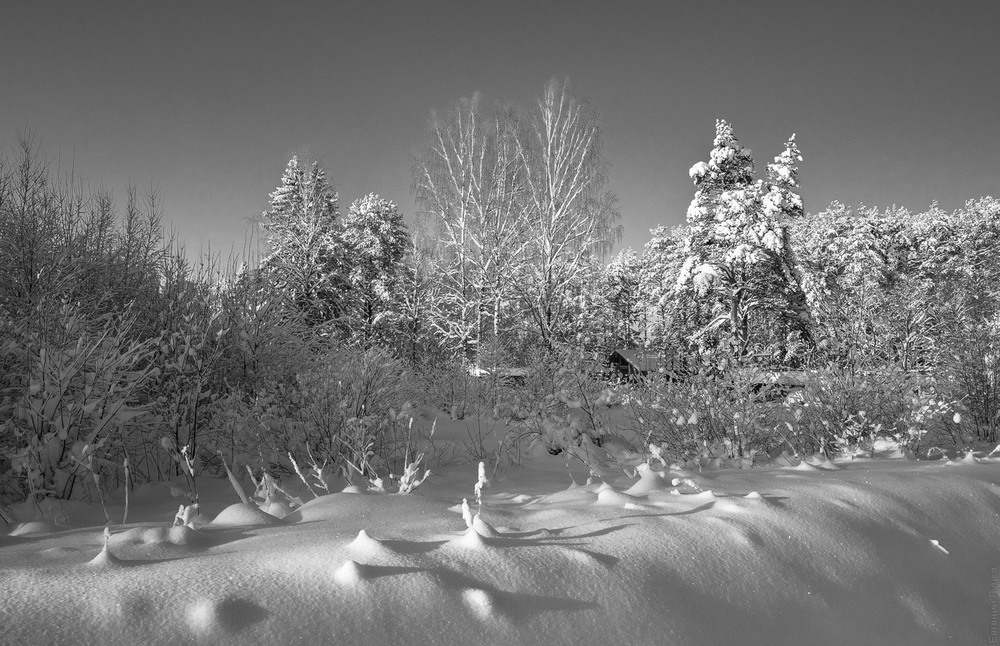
[[869, 552]]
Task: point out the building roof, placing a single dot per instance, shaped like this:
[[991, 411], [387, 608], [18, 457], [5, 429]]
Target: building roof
[[647, 363]]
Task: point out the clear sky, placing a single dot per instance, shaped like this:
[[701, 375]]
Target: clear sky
[[892, 102]]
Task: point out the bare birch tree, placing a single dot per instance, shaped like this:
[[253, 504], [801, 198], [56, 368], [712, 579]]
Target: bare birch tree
[[571, 218], [468, 183]]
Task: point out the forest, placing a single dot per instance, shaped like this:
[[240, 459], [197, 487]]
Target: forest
[[767, 331]]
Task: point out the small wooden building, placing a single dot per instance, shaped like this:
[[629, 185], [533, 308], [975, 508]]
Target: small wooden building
[[631, 365]]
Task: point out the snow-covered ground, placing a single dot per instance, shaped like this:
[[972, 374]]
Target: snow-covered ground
[[862, 552]]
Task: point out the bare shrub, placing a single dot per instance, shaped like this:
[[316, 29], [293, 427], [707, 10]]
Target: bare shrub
[[71, 402], [710, 414], [845, 409], [349, 409]]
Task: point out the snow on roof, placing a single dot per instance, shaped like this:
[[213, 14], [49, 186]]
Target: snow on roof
[[645, 363]]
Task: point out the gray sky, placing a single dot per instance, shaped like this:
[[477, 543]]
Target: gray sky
[[892, 102]]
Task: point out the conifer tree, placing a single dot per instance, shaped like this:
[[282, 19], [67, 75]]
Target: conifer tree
[[378, 241], [660, 268], [739, 280], [622, 278], [305, 252], [722, 204]]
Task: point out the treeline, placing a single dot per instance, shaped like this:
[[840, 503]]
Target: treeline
[[514, 229], [115, 349]]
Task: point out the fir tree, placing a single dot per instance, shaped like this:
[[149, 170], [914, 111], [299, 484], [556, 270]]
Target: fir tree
[[722, 204], [378, 241], [782, 198], [622, 277], [305, 244], [660, 268], [738, 280]]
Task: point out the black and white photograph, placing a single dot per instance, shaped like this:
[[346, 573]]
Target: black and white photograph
[[500, 322]]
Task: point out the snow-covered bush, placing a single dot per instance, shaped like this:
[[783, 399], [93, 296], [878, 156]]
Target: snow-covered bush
[[71, 392], [348, 410], [710, 414], [746, 415], [448, 386], [268, 338], [188, 361], [411, 477], [463, 390], [844, 410], [565, 396], [270, 496], [256, 429], [78, 292], [971, 360]]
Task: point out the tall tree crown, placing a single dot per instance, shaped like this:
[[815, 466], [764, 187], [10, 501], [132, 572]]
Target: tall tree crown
[[305, 242]]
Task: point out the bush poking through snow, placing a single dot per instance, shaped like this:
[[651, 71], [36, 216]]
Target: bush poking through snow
[[186, 514], [244, 498], [106, 557], [128, 487], [185, 461], [410, 480], [83, 455], [302, 476], [316, 470], [481, 484], [467, 513], [270, 497], [656, 453]]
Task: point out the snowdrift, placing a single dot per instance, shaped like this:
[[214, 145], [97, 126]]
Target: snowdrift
[[877, 552]]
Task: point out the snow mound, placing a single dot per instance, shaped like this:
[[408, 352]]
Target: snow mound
[[937, 544], [968, 459], [243, 515], [469, 539], [350, 510], [186, 537], [608, 495], [802, 465], [479, 601], [34, 528], [483, 528], [582, 557], [365, 544], [728, 506], [649, 481], [276, 508], [820, 461], [106, 559], [874, 552], [179, 535], [350, 573]]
